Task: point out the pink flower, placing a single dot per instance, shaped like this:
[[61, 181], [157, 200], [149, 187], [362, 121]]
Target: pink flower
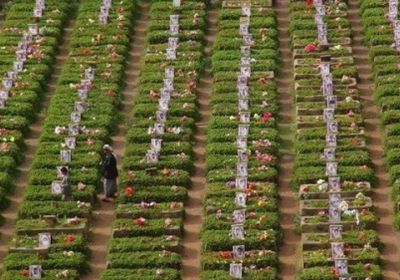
[[310, 48]]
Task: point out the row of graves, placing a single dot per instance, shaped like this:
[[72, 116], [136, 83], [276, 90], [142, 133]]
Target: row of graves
[[333, 173], [241, 230], [53, 223], [381, 34], [29, 38], [158, 161]]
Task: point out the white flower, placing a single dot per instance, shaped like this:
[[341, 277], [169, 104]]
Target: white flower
[[343, 206], [323, 187]]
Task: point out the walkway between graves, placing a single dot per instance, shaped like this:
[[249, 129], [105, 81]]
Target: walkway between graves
[[288, 202], [382, 197], [103, 214], [31, 141], [193, 207]]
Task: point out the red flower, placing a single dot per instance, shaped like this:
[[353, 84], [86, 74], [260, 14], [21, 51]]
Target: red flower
[[129, 191], [24, 272], [192, 85], [225, 255], [263, 80], [69, 238], [140, 221], [266, 116], [310, 48]]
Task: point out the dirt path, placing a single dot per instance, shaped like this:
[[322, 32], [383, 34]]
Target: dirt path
[[31, 141], [103, 214], [382, 197], [191, 240], [288, 202]]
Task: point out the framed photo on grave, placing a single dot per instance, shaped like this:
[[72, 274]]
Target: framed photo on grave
[[80, 106], [332, 127], [329, 114], [331, 169], [18, 66], [334, 199], [248, 39], [241, 183], [152, 156], [243, 92], [245, 60], [75, 117], [335, 232], [174, 19], [35, 272], [239, 216], [342, 266], [176, 3], [7, 84], [70, 142], [155, 144], [37, 13], [3, 94], [33, 29], [243, 105], [334, 214], [245, 71], [245, 51], [239, 252], [161, 115], [83, 94], [334, 184], [243, 29], [89, 73], [163, 105], [241, 143], [243, 130], [242, 169], [44, 239], [330, 154], [246, 10], [173, 42], [65, 155], [236, 270], [159, 128], [237, 231], [240, 199], [169, 72], [244, 117], [337, 249], [331, 140], [2, 103], [174, 29], [243, 156]]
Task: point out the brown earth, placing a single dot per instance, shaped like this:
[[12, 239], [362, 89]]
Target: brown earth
[[193, 208], [288, 255]]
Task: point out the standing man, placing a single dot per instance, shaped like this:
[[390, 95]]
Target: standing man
[[110, 174]]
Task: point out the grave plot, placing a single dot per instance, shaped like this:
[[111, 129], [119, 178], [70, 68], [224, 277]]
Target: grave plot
[[240, 232], [333, 171], [158, 161], [53, 224]]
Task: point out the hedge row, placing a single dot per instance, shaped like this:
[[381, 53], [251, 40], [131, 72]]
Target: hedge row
[[150, 209], [262, 224], [379, 37], [360, 241], [104, 48]]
